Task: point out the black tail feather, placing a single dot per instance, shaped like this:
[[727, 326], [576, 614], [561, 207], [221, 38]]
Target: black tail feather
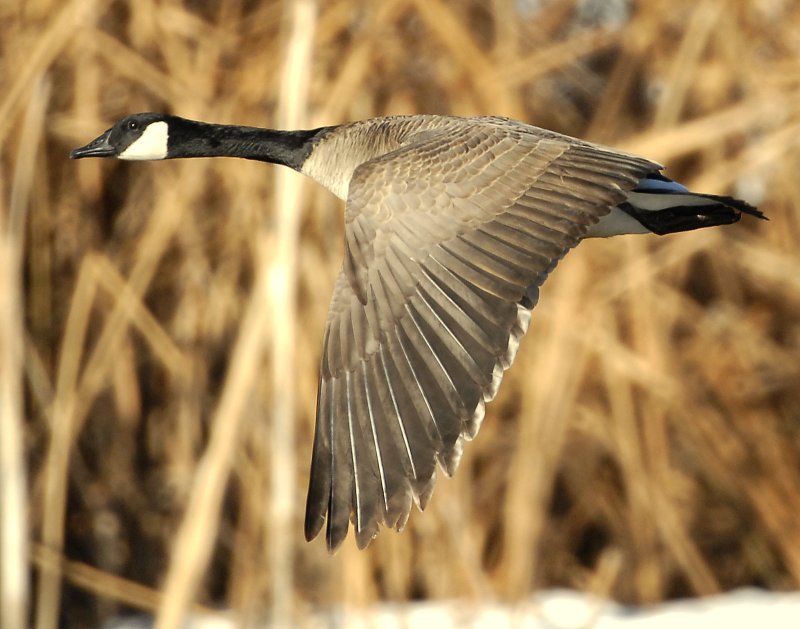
[[737, 204]]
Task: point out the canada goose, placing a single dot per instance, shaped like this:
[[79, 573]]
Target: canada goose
[[452, 224]]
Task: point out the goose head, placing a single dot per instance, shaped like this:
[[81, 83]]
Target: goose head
[[142, 136]]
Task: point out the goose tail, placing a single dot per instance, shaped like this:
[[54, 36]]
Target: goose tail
[[658, 205], [663, 206]]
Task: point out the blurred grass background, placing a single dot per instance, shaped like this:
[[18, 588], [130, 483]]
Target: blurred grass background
[[645, 446]]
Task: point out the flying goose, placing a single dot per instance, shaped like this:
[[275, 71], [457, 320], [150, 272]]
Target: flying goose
[[452, 224]]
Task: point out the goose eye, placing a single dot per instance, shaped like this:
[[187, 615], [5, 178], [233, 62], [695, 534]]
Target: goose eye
[[132, 125]]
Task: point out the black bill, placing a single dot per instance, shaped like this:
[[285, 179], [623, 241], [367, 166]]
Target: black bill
[[99, 147]]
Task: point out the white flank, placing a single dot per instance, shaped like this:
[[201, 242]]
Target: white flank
[[614, 223], [152, 144]]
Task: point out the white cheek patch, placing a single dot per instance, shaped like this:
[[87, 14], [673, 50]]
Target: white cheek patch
[[152, 144]]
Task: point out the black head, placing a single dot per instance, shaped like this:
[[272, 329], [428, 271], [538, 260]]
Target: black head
[[139, 136]]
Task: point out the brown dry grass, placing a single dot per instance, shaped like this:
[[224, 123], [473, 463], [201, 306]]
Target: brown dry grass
[[160, 324]]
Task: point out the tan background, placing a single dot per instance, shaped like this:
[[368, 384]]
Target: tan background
[[646, 443]]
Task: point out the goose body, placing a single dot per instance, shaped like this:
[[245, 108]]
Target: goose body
[[452, 224]]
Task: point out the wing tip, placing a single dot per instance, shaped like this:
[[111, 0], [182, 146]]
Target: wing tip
[[335, 535], [312, 527], [365, 536]]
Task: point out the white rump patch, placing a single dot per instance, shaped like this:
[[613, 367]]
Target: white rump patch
[[152, 144], [655, 202]]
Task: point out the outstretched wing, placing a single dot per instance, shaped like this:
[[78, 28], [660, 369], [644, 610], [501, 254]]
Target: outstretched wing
[[447, 242]]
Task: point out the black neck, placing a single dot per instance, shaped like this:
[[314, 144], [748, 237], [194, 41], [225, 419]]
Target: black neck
[[188, 138]]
